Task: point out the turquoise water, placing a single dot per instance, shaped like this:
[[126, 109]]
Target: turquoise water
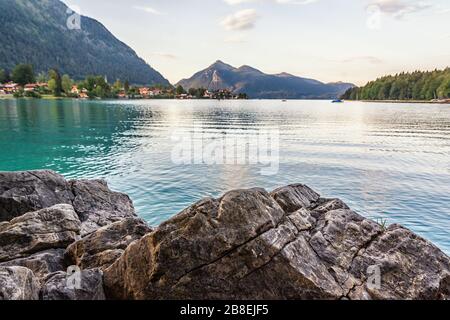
[[389, 161]]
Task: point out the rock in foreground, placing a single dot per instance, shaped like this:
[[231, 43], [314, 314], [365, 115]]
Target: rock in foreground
[[290, 244], [249, 244]]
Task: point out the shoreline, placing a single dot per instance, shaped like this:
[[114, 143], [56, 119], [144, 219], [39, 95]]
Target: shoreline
[[48, 97]]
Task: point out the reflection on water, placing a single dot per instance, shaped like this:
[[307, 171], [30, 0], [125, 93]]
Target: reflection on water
[[387, 161]]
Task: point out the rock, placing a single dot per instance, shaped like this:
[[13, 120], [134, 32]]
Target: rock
[[410, 267], [42, 264], [59, 287], [103, 247], [94, 202], [18, 283], [22, 192], [242, 246], [50, 228], [97, 206], [295, 197], [289, 244]]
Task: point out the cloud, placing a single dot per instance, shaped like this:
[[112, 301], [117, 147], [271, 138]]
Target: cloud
[[148, 10], [301, 2], [399, 8], [165, 55], [366, 59], [241, 20], [235, 2]]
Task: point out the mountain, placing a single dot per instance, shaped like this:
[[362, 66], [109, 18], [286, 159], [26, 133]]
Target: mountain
[[259, 85], [36, 32]]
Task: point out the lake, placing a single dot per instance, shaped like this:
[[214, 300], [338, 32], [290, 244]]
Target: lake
[[386, 161]]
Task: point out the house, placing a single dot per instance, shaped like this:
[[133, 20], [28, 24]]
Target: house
[[11, 88], [122, 95], [30, 87], [145, 92], [83, 95], [75, 90]]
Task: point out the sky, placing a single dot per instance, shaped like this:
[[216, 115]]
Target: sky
[[328, 40]]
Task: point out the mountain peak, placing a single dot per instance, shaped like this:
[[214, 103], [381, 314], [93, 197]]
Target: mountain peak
[[219, 64]]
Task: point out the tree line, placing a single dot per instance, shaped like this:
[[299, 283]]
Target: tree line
[[416, 85]]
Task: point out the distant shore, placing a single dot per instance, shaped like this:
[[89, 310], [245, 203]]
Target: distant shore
[[403, 101]]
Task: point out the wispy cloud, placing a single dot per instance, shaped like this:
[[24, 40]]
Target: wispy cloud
[[241, 20], [165, 55], [400, 8], [149, 10], [365, 59], [301, 2]]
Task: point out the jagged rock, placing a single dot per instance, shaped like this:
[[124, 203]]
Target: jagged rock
[[22, 192], [295, 197], [97, 206], [18, 283], [290, 244], [50, 228], [242, 246], [59, 287], [103, 247], [42, 263], [411, 267]]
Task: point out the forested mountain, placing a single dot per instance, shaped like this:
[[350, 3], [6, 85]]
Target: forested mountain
[[257, 84], [36, 32], [405, 86]]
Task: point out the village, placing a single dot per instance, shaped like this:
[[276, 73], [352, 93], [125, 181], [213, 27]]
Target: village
[[116, 91]]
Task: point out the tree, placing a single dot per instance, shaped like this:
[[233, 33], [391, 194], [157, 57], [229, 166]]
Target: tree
[[3, 76], [127, 86], [56, 83], [180, 90], [117, 86], [66, 84], [23, 74], [42, 77]]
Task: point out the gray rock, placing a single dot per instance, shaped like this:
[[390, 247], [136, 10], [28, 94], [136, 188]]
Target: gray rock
[[290, 244], [50, 228], [59, 287], [295, 197], [42, 263], [18, 283], [97, 206], [103, 247], [22, 192]]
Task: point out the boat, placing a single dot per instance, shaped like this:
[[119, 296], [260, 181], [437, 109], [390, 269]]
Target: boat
[[337, 101]]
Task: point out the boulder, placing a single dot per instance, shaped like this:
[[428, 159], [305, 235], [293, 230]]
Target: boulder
[[103, 247], [289, 244], [50, 228], [59, 286], [98, 206], [42, 263], [22, 192], [18, 283]]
